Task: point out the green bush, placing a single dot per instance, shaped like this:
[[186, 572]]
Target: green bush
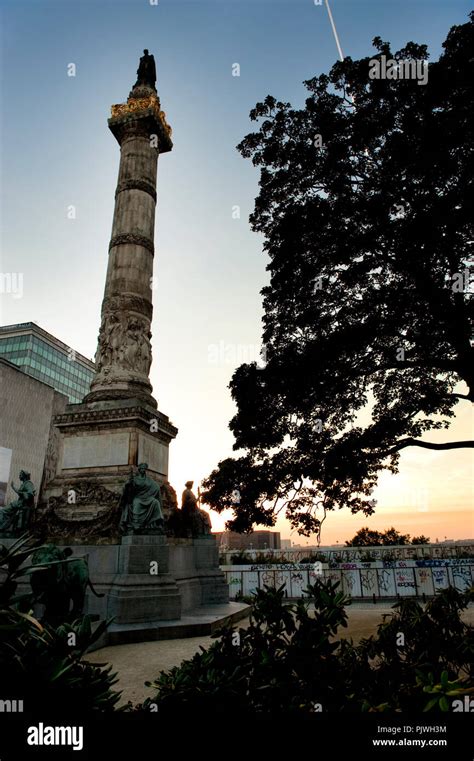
[[239, 597], [42, 665], [368, 557], [438, 646], [290, 660], [315, 557], [241, 558]]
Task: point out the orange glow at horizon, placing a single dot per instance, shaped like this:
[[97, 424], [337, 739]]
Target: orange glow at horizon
[[432, 494]]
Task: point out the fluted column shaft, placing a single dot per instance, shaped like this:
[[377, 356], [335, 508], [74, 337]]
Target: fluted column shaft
[[123, 355]]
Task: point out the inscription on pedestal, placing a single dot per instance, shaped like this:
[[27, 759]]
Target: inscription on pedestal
[[154, 453], [95, 451]]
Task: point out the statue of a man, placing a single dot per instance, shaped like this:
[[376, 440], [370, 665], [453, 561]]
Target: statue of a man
[[141, 504], [146, 72], [16, 515]]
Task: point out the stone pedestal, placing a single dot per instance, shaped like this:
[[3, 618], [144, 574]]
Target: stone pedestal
[[188, 597], [194, 563], [104, 439], [97, 444], [143, 591]]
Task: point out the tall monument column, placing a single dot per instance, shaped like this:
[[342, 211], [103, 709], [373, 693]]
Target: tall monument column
[[123, 355], [94, 444], [94, 499]]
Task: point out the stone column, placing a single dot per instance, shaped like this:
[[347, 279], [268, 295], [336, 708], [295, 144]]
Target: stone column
[[123, 356], [118, 424]]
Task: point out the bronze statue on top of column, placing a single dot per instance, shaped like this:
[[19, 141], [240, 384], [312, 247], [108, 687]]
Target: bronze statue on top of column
[[146, 72]]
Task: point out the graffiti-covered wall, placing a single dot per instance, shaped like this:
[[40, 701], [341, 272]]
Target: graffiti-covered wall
[[458, 550], [382, 578]]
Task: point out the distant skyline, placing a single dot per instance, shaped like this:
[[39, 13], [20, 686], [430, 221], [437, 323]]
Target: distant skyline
[[56, 152]]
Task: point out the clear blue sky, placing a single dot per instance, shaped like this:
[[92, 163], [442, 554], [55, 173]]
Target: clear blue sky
[[56, 150]]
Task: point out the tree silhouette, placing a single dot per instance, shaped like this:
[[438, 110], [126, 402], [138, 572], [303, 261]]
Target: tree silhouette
[[366, 537], [366, 209], [422, 539]]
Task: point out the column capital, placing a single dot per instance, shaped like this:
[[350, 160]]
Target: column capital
[[141, 117]]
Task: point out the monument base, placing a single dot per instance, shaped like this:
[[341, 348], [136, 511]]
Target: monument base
[[156, 587], [92, 451], [153, 578], [197, 622], [142, 590]]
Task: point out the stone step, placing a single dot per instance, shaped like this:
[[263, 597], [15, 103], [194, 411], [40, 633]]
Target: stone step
[[196, 622]]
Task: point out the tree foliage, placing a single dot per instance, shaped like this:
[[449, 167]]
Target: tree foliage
[[366, 209], [291, 659], [41, 664], [422, 539], [366, 537]]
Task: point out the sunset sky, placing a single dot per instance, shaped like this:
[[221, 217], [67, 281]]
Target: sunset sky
[[56, 150]]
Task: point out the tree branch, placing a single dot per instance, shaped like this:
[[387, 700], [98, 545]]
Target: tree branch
[[409, 442], [288, 502]]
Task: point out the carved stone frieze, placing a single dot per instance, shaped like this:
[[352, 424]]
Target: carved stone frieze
[[136, 184], [136, 414], [133, 239], [85, 494], [86, 512], [127, 302], [124, 347]]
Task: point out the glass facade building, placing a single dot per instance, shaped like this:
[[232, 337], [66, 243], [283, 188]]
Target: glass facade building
[[47, 359]]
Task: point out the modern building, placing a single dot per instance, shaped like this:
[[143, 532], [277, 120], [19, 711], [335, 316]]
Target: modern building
[[46, 358], [26, 429], [257, 540]]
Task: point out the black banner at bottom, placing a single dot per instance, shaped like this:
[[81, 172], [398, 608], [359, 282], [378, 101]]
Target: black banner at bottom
[[394, 736]]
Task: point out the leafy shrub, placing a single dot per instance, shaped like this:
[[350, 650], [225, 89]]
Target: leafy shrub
[[464, 555], [241, 558], [239, 597], [42, 665], [436, 643], [260, 558], [289, 660], [315, 558]]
